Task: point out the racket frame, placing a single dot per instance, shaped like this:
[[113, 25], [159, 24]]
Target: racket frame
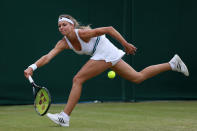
[[34, 86]]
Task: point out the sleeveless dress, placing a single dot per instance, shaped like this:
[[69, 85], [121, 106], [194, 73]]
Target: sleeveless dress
[[100, 48]]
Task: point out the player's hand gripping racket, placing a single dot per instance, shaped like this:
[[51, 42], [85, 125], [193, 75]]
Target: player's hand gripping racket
[[42, 98]]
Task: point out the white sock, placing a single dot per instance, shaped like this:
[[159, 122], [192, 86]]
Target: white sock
[[65, 115], [172, 65]]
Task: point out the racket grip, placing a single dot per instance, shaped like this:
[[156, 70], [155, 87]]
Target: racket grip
[[30, 79]]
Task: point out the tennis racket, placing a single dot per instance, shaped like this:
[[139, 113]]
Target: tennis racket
[[42, 98]]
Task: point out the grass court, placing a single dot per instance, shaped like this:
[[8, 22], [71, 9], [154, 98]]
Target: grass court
[[140, 116]]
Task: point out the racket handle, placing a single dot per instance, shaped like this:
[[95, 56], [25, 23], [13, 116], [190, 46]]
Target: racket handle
[[30, 79]]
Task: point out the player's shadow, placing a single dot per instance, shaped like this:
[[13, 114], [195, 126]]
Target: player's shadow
[[55, 126]]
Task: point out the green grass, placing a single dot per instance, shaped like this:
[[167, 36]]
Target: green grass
[[143, 116]]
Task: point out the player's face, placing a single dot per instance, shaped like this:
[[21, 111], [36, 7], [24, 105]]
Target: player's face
[[65, 27]]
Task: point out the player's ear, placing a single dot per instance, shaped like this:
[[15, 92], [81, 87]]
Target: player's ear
[[72, 26]]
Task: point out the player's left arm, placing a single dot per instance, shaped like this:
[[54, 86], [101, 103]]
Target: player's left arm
[[86, 34]]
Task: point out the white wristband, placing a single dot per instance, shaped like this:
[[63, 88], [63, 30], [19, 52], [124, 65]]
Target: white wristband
[[33, 66]]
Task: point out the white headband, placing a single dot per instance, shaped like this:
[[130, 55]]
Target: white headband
[[65, 19]]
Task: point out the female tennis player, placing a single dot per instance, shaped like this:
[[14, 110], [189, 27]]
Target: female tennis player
[[104, 55]]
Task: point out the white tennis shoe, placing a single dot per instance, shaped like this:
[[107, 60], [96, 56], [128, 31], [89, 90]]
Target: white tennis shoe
[[59, 119], [178, 65]]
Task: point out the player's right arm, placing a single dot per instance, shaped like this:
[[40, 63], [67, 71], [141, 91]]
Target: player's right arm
[[60, 46]]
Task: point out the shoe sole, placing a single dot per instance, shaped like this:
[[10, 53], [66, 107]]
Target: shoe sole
[[184, 69]]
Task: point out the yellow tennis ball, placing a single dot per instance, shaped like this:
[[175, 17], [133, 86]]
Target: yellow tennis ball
[[111, 74]]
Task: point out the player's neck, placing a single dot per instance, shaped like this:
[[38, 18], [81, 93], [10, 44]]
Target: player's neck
[[71, 35]]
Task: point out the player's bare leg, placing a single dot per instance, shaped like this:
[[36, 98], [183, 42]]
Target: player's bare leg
[[127, 72], [89, 70]]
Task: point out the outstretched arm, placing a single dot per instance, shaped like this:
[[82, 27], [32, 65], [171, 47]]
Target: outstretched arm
[[129, 48], [60, 46]]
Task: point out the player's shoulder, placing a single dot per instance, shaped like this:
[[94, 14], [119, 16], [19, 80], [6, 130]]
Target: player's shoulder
[[97, 30], [62, 44], [83, 31]]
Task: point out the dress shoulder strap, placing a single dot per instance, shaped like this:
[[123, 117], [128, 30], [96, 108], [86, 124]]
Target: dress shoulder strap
[[78, 37], [69, 44]]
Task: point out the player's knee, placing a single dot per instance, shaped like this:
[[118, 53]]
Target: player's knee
[[138, 79], [78, 80]]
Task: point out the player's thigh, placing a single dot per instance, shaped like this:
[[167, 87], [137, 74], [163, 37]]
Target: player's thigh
[[92, 68], [126, 71]]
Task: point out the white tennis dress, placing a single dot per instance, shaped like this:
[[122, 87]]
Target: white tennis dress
[[100, 48]]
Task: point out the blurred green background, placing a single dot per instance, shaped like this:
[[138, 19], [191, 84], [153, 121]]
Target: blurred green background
[[159, 29]]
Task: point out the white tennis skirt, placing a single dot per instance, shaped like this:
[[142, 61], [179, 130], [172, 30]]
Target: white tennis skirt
[[105, 50]]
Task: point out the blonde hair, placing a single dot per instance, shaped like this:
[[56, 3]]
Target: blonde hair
[[76, 23]]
